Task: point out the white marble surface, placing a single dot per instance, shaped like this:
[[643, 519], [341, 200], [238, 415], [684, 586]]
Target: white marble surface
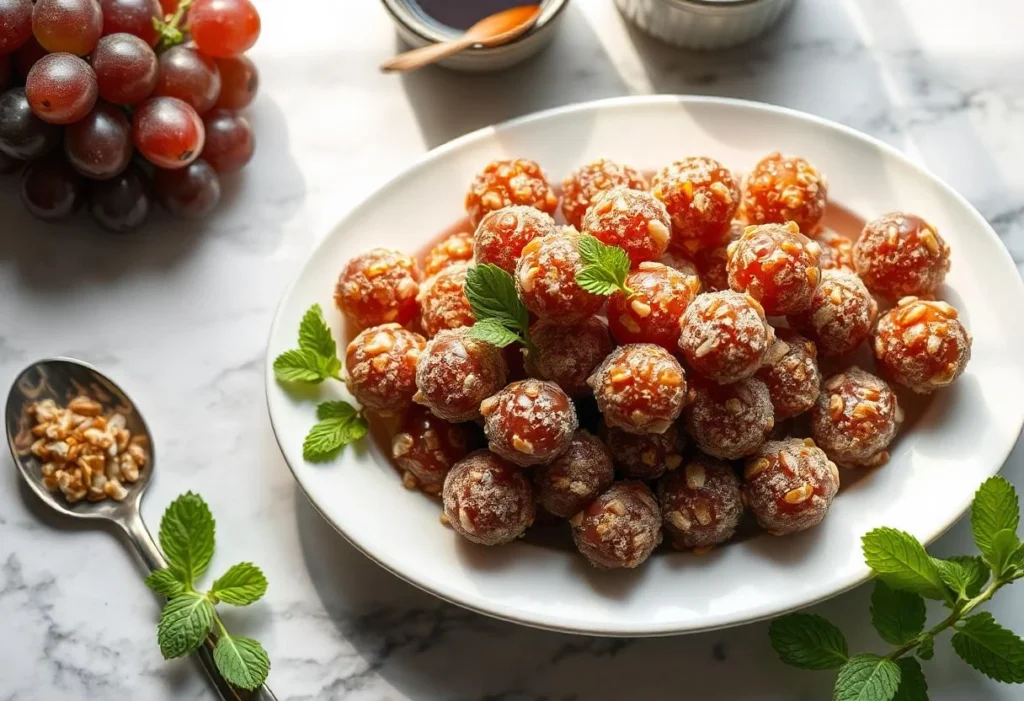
[[180, 313]]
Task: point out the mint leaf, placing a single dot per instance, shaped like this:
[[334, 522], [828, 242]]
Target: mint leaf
[[492, 331], [315, 334], [604, 267], [184, 623], [339, 424], [241, 585], [913, 686], [991, 649], [901, 561], [598, 281], [867, 678], [242, 661], [963, 574], [305, 365], [169, 581], [187, 535], [492, 295], [898, 616], [808, 641], [1004, 546], [926, 650], [995, 508]]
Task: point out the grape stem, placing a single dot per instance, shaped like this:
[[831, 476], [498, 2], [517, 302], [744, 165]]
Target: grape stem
[[169, 30]]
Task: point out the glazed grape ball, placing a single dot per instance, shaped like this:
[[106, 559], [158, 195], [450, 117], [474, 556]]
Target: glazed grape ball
[[725, 336], [381, 363], [701, 504], [457, 248], [789, 485], [841, 315], [378, 287], [640, 388], [546, 280], [776, 265], [443, 302], [633, 220], [504, 183], [785, 188], [574, 478], [456, 372], [567, 355], [900, 255], [501, 235], [791, 374], [529, 422], [729, 421], [426, 447], [701, 197], [646, 456], [684, 265], [922, 345], [712, 262], [855, 418], [590, 180], [651, 314], [488, 500], [836, 251], [620, 528]]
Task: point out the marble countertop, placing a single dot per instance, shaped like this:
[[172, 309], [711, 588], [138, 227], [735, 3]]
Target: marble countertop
[[179, 314]]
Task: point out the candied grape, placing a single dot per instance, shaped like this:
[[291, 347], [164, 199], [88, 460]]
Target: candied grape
[[425, 448], [168, 132], [725, 336], [186, 74], [72, 26], [841, 315], [701, 504], [574, 478], [785, 188], [443, 302], [505, 183], [729, 421], [855, 418], [224, 28], [566, 355], [456, 373], [133, 17], [15, 24], [229, 141], [701, 197], [27, 56], [529, 422], [651, 314], [126, 69], [776, 265], [633, 220], [381, 364], [791, 374], [836, 251], [712, 262], [587, 181], [900, 255], [378, 287], [51, 189], [546, 279], [22, 134], [789, 485], [502, 234], [646, 456], [457, 248], [684, 265], [100, 145], [487, 500], [922, 345], [61, 88], [639, 388], [191, 192], [122, 203], [620, 528], [239, 81]]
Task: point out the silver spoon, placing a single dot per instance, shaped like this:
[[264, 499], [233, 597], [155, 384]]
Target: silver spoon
[[61, 379]]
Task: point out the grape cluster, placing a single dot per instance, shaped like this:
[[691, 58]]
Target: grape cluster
[[115, 103]]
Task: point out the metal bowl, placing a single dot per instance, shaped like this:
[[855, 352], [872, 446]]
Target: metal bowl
[[703, 24]]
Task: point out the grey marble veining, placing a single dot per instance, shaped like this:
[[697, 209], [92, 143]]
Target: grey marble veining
[[179, 315]]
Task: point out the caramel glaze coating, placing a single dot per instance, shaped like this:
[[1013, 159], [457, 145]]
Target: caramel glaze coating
[[651, 314], [701, 197], [576, 477], [378, 287], [639, 388], [456, 372], [457, 248], [899, 255], [501, 235], [381, 364], [789, 485], [701, 504], [725, 336], [776, 265], [841, 316], [620, 528], [425, 448], [922, 345], [633, 220], [519, 181], [791, 374], [855, 418], [529, 422], [645, 456], [785, 188], [487, 500], [729, 421], [546, 280], [443, 302], [588, 181], [567, 355]]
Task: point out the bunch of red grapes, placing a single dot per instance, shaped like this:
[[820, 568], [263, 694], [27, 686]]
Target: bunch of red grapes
[[116, 103]]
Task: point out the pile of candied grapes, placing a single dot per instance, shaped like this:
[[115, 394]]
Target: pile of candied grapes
[[684, 405], [112, 103]]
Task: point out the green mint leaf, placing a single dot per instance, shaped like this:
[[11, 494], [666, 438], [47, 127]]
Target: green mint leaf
[[315, 334], [494, 332], [1004, 547], [169, 581], [926, 650], [305, 365], [995, 509], [492, 295], [184, 623], [900, 559], [808, 641], [867, 678], [604, 267], [598, 281], [898, 616], [339, 424], [241, 585], [913, 686], [242, 661], [187, 535], [991, 649], [963, 574]]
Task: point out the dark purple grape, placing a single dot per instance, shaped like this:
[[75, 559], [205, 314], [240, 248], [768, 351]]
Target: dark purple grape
[[132, 17], [121, 204], [191, 192], [168, 132], [26, 57], [126, 69], [188, 75], [229, 141], [239, 81], [51, 189], [9, 165], [15, 24], [22, 134], [61, 88], [100, 145], [6, 72], [72, 26]]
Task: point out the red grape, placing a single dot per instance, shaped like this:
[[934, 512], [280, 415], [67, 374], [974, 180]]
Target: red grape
[[189, 76], [6, 71], [27, 56], [126, 69], [100, 145], [191, 192], [168, 132], [238, 82], [22, 134], [224, 28], [51, 189], [61, 88], [131, 17], [229, 141], [168, 7], [15, 24], [73, 26], [121, 204]]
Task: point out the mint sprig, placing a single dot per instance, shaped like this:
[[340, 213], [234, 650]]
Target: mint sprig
[[604, 268], [501, 318], [906, 576], [186, 536], [338, 425]]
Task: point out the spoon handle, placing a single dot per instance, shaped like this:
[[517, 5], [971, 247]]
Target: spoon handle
[[150, 553], [425, 55]]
